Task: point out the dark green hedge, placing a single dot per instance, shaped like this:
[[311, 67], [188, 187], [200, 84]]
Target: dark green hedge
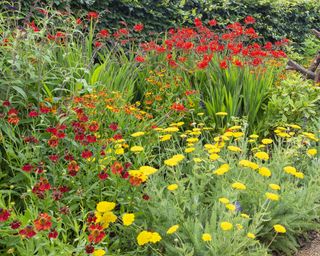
[[275, 18]]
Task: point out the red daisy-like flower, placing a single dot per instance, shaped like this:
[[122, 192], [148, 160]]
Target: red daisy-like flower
[[92, 15], [53, 234], [43, 222], [179, 107], [86, 154], [4, 215], [249, 20], [113, 126], [96, 233], [15, 224], [27, 232], [117, 168], [138, 27]]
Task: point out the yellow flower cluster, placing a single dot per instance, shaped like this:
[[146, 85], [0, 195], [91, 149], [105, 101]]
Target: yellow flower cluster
[[145, 237], [104, 213]]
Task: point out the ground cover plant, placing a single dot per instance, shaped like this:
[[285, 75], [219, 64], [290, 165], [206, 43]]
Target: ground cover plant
[[182, 144]]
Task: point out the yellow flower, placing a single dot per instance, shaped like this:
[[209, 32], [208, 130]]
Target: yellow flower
[[105, 218], [290, 170], [234, 148], [294, 126], [144, 237], [127, 219], [312, 152], [222, 169], [155, 237], [171, 129], [171, 162], [299, 175], [243, 215], [147, 170], [236, 127], [279, 228], [238, 134], [239, 186], [192, 140], [247, 163], [189, 150], [105, 206], [274, 186], [197, 160], [172, 187], [165, 137], [267, 141], [136, 149], [137, 134], [178, 157], [214, 157], [226, 225], [172, 229], [251, 235], [99, 252], [264, 171], [239, 226], [262, 155], [119, 151], [224, 200], [254, 136], [231, 207], [272, 196], [221, 114], [206, 237]]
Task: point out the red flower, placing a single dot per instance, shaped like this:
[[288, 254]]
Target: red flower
[[138, 27], [103, 33], [93, 126], [178, 107], [212, 23], [97, 44], [53, 234], [53, 141], [78, 21], [139, 59], [43, 222], [89, 249], [73, 168], [86, 154], [4, 215], [117, 168], [117, 136], [256, 61], [92, 15], [103, 175], [54, 158], [6, 103], [91, 218], [27, 167], [249, 20], [96, 233], [197, 22], [27, 232], [15, 224], [202, 64], [113, 126], [223, 64]]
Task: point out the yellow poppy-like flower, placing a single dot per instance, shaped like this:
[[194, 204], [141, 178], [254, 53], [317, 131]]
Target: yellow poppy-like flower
[[239, 186], [295, 126], [137, 134], [279, 228], [221, 114], [238, 134], [251, 235], [155, 237], [262, 155], [172, 229], [171, 162], [299, 175], [236, 127], [254, 136], [264, 171], [312, 152], [105, 218], [99, 252], [226, 225], [234, 149], [136, 149], [172, 187], [224, 200], [206, 237], [192, 140], [128, 219], [272, 196], [105, 206], [274, 186], [267, 141]]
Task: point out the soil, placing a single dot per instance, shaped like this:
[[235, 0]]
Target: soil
[[311, 248]]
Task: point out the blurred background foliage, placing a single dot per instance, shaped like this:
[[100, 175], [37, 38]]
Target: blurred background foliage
[[275, 18]]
